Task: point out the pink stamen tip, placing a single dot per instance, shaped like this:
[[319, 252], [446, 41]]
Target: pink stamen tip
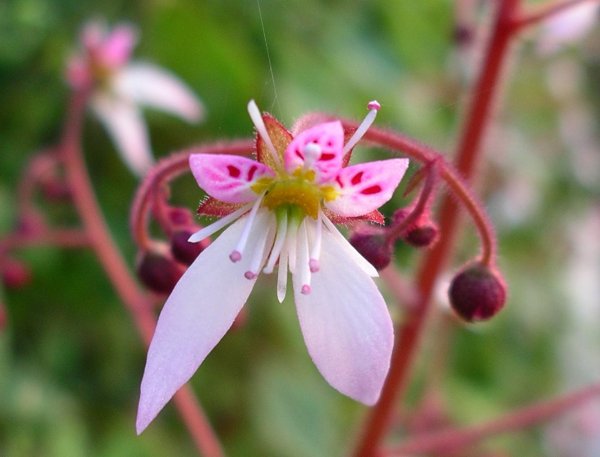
[[374, 105], [314, 266], [306, 289], [235, 256], [250, 275]]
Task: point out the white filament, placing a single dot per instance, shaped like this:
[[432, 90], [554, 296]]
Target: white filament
[[278, 246], [237, 253], [363, 127], [315, 252], [218, 225], [258, 122]]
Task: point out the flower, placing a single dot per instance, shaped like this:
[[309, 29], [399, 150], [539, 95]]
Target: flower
[[120, 87], [281, 211]]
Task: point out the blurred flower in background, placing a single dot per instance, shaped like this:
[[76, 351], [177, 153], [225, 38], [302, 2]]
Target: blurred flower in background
[[121, 87]]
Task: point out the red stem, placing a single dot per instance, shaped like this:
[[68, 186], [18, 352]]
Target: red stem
[[454, 440], [410, 330], [136, 301]]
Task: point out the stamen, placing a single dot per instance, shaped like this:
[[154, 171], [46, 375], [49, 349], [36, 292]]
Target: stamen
[[207, 231], [258, 122], [236, 254], [312, 152], [290, 245], [259, 252], [282, 273], [302, 268], [373, 107], [315, 252], [279, 242]]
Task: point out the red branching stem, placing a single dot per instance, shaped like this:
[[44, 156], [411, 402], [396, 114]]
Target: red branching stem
[[418, 151], [410, 330], [423, 202], [163, 172], [543, 12], [455, 439], [135, 300]]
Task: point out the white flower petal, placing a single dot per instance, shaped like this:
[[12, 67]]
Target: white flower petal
[[127, 129], [152, 86], [346, 324], [195, 317]]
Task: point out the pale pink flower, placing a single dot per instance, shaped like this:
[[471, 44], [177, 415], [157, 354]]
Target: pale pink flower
[[120, 87], [568, 27], [281, 211]]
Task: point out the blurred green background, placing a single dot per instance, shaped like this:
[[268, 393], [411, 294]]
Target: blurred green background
[[70, 362]]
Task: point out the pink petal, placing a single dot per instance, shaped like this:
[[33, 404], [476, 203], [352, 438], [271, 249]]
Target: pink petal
[[127, 129], [346, 324], [228, 178], [195, 317], [330, 138], [116, 49], [149, 85], [365, 187]]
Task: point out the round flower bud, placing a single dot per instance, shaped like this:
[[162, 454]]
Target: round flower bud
[[374, 248], [158, 272], [477, 293], [422, 236], [15, 274], [184, 251], [180, 217]]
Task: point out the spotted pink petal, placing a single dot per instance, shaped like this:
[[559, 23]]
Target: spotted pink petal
[[366, 186], [345, 323], [330, 139], [228, 178]]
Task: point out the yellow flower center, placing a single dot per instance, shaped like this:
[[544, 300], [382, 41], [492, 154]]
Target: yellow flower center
[[298, 189]]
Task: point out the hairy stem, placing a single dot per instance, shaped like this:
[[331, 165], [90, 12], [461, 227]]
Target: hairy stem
[[410, 330], [135, 300]]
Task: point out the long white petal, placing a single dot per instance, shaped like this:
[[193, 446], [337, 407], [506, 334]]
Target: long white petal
[[152, 86], [346, 324], [195, 317], [124, 124]]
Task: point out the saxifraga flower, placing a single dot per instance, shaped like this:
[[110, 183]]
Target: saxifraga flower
[[280, 211], [121, 86]]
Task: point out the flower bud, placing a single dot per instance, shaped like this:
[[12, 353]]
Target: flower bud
[[181, 217], [55, 189], [477, 293], [422, 236], [373, 247], [158, 272], [184, 251], [15, 274]]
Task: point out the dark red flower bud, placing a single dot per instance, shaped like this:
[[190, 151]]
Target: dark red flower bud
[[158, 272], [15, 274], [55, 189], [477, 293], [181, 217], [373, 247], [184, 251], [422, 236]]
